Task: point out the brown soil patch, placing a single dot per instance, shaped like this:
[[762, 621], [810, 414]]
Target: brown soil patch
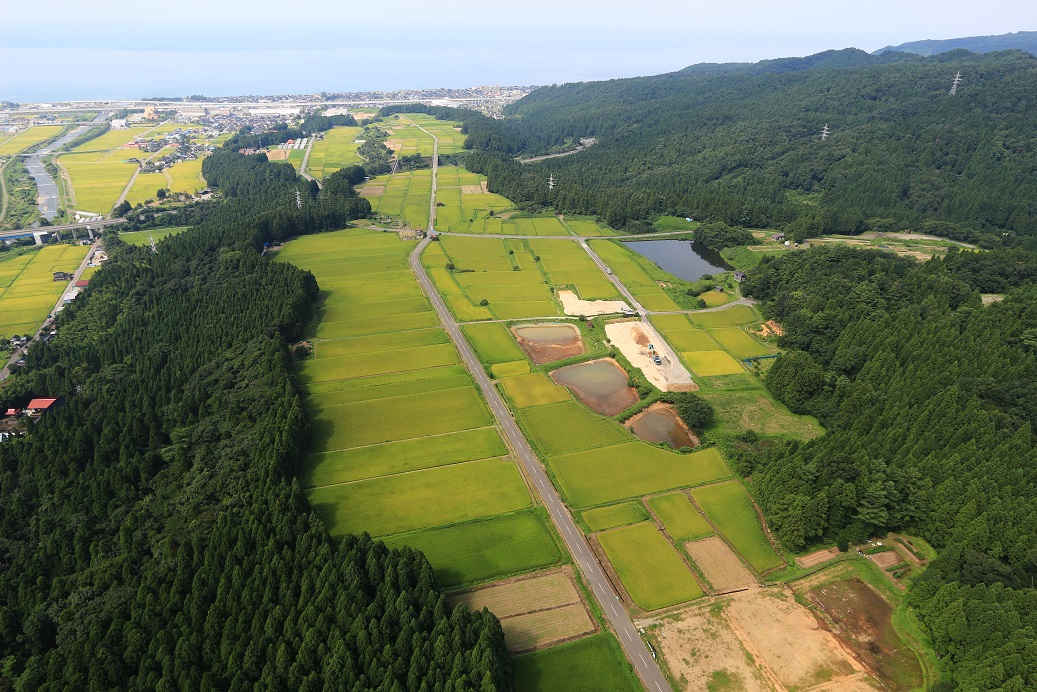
[[817, 558], [862, 620], [989, 298], [639, 337], [785, 637], [770, 327], [759, 639], [541, 352], [373, 190], [721, 567], [394, 144], [277, 155], [535, 610], [485, 189], [887, 559], [471, 189]]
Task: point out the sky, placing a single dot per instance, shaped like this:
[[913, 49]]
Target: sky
[[132, 49]]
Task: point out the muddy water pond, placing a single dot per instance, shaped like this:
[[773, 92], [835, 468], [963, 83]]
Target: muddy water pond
[[659, 423], [600, 384], [546, 343]]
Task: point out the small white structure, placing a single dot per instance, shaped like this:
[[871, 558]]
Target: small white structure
[[119, 124]]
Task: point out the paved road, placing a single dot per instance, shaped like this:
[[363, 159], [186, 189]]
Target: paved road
[[39, 332], [306, 161], [96, 225], [629, 638]]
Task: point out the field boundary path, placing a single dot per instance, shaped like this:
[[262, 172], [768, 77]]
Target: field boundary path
[[636, 650], [5, 373], [306, 162]]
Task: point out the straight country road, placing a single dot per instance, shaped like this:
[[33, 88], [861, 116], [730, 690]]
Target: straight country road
[[634, 647]]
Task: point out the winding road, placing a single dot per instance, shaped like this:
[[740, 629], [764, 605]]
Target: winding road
[[634, 647]]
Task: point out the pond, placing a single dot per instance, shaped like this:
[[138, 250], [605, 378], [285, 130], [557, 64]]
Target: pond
[[659, 423], [545, 343], [685, 259], [601, 384]]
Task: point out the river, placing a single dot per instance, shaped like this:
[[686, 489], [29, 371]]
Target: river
[[47, 196]]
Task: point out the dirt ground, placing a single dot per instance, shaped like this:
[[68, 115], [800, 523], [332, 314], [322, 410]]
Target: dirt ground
[[373, 190], [989, 298], [862, 620], [277, 155], [632, 339], [471, 189], [817, 558], [573, 305], [759, 639], [770, 327], [887, 559], [541, 352], [721, 567], [535, 610]]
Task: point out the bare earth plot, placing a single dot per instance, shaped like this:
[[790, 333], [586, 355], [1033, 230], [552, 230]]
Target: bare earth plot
[[633, 339], [535, 611], [721, 567], [759, 639]]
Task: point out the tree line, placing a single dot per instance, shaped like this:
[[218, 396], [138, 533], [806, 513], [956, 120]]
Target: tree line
[[154, 535]]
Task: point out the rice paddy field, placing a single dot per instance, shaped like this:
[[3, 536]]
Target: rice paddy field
[[336, 151], [97, 181], [591, 664], [403, 445], [680, 518], [28, 291], [404, 195], [731, 510], [14, 143], [650, 567], [408, 139]]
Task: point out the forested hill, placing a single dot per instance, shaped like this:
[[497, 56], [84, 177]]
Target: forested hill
[[741, 144], [1020, 40], [152, 533], [929, 399]]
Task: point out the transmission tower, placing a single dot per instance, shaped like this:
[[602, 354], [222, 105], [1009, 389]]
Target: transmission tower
[[151, 240], [825, 132], [551, 182], [298, 199], [955, 83]]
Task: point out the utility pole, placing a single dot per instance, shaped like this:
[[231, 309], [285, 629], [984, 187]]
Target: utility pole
[[955, 83], [825, 132]]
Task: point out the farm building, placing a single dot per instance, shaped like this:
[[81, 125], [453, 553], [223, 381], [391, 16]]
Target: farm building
[[62, 276], [739, 276], [778, 237], [38, 407], [83, 283]]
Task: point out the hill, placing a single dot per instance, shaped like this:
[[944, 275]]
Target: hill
[[1020, 40], [742, 144]]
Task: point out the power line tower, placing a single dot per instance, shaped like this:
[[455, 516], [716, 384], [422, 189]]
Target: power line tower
[[151, 240], [551, 182], [955, 83], [825, 132], [298, 199]]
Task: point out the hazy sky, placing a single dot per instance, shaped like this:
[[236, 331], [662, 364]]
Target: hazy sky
[[128, 48]]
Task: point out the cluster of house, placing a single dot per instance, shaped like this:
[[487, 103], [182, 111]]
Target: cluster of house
[[12, 423]]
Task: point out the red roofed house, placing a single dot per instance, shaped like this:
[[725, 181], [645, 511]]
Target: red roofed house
[[40, 406], [82, 283], [11, 412]]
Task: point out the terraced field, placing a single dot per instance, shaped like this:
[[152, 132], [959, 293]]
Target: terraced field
[[404, 195], [28, 291], [403, 445]]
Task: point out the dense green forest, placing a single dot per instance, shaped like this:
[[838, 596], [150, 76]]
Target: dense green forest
[[930, 399], [741, 144], [152, 533]]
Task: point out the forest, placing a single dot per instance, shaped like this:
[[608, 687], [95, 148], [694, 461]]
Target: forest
[[742, 144], [929, 399], [152, 532]]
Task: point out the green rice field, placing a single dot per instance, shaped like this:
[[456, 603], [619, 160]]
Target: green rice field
[[97, 184], [404, 195], [486, 548], [679, 517], [336, 151], [28, 291], [633, 270], [613, 516], [650, 568], [533, 389], [12, 144], [729, 508], [591, 664], [493, 342], [403, 445]]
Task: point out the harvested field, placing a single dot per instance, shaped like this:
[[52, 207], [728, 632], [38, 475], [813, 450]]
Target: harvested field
[[816, 558], [573, 305], [718, 563], [534, 611]]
